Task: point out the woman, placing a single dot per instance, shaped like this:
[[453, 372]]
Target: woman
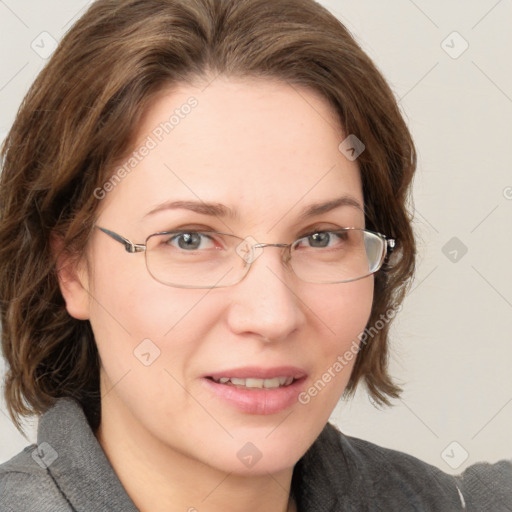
[[204, 214]]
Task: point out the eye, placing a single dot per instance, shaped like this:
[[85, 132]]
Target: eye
[[323, 239], [191, 241]]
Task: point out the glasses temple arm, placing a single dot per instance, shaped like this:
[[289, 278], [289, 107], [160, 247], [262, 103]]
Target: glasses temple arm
[[391, 243], [129, 246]]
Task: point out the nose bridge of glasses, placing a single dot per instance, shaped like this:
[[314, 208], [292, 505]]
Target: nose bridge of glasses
[[269, 245], [252, 251]]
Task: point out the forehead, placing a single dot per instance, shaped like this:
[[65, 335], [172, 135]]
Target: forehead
[[261, 147]]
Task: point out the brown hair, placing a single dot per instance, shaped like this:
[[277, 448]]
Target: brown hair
[[80, 117]]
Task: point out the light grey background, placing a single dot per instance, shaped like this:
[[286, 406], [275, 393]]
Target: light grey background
[[452, 343]]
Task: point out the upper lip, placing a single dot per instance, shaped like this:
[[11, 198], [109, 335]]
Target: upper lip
[[258, 372]]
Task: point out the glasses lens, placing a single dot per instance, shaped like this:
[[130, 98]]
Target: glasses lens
[[194, 259], [337, 256], [209, 259]]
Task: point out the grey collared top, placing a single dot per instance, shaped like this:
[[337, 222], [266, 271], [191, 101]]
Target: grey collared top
[[68, 471]]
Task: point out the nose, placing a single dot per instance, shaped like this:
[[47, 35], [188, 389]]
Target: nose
[[265, 303]]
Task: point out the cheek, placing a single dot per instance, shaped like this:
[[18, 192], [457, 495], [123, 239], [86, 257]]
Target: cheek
[[346, 310], [133, 315], [342, 317], [338, 318], [126, 299]]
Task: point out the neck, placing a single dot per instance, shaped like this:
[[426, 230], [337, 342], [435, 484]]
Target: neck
[[160, 478]]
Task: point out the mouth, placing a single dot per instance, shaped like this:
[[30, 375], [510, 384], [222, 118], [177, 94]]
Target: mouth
[[255, 383], [257, 390]]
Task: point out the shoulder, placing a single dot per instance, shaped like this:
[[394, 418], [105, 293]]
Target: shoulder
[[398, 481], [487, 486], [26, 485], [481, 486]]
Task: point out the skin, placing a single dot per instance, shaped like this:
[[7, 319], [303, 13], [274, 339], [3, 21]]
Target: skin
[[267, 150]]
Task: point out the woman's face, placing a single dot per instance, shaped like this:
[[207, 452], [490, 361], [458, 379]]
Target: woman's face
[[266, 151]]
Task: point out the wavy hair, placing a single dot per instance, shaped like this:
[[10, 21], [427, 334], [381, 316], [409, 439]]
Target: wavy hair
[[80, 117]]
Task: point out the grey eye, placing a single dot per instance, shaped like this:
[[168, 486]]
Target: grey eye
[[189, 241]]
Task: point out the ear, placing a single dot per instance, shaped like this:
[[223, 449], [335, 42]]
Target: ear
[[73, 279]]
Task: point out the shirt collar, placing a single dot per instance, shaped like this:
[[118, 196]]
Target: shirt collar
[[326, 479], [85, 476], [81, 469]]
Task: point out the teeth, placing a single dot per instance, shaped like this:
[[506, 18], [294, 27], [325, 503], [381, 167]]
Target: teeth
[[257, 383]]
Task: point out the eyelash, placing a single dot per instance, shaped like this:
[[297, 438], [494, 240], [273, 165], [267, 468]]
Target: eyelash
[[204, 229]]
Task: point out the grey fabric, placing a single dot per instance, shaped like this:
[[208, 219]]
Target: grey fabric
[[80, 479], [68, 471]]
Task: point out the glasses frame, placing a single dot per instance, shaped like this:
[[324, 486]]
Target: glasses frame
[[130, 247]]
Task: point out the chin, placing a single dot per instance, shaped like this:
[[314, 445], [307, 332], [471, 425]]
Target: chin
[[260, 453]]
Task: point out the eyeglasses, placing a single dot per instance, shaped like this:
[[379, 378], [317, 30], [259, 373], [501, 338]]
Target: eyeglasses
[[211, 259]]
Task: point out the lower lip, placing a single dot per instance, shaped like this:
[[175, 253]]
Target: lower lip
[[258, 401]]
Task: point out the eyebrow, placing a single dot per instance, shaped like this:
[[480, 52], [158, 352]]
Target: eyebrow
[[223, 211]]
